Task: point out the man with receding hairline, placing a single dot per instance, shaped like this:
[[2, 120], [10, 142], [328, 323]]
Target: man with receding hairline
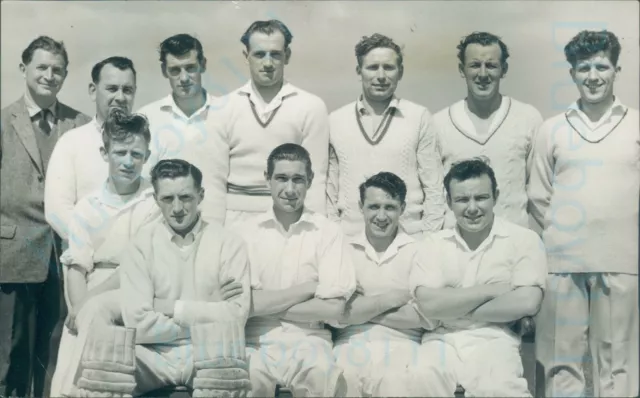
[[76, 168], [31, 305], [259, 116], [382, 132]]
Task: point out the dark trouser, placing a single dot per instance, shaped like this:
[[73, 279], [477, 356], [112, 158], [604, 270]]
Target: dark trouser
[[32, 316]]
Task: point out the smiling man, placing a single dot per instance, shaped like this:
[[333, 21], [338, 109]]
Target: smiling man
[[584, 193], [380, 331], [76, 167], [489, 123], [481, 276], [178, 121], [31, 306], [259, 116], [301, 278], [380, 131]]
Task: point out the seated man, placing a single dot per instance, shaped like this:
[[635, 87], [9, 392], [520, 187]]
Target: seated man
[[184, 285], [301, 277], [482, 275], [101, 226], [385, 330]]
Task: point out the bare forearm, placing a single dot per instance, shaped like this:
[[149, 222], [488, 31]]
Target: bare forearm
[[269, 302], [76, 285], [454, 303], [363, 308], [404, 317], [509, 307], [314, 310]]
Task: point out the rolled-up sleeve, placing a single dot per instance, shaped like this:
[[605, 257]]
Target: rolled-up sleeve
[[530, 268], [233, 263], [80, 252], [316, 142], [336, 272], [136, 286], [431, 173]]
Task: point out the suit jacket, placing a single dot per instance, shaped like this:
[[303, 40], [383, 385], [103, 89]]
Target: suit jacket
[[26, 240]]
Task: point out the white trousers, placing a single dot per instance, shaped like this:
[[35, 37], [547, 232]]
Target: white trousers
[[104, 307], [599, 310], [379, 368], [485, 366], [304, 364]]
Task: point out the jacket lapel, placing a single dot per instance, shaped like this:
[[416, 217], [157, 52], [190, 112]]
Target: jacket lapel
[[65, 121], [24, 129]]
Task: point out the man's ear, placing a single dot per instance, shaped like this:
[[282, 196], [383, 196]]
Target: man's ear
[[267, 179], [361, 206], [23, 68], [461, 69], [201, 194], [287, 55], [359, 70], [92, 91], [104, 153], [310, 179], [505, 69], [245, 54], [163, 69], [146, 156], [449, 202], [495, 199], [203, 64]]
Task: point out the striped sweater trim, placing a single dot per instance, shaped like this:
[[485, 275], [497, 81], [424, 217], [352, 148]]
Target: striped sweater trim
[[250, 190]]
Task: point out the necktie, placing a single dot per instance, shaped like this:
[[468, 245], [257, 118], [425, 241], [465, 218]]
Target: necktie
[[44, 122]]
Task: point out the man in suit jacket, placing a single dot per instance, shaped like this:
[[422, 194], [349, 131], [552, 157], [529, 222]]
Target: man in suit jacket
[[31, 306]]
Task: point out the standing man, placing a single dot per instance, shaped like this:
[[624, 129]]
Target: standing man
[[31, 304], [383, 331], [487, 123], [76, 167], [584, 192], [480, 277], [380, 131], [178, 121], [301, 278], [256, 118]]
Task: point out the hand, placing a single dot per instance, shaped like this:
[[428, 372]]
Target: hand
[[359, 289], [70, 321], [229, 289], [399, 297]]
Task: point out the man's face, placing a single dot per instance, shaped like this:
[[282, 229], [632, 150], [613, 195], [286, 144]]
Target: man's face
[[45, 73], [115, 89], [126, 158], [482, 70], [185, 74], [178, 199], [266, 58], [594, 77], [380, 73], [472, 203], [289, 184], [381, 213]]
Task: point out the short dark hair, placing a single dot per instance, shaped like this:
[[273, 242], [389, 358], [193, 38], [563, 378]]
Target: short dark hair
[[484, 39], [180, 44], [588, 43], [388, 182], [470, 168], [377, 40], [290, 152], [121, 127], [174, 168], [122, 63], [45, 43], [267, 27]]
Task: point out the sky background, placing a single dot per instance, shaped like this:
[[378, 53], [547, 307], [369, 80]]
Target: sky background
[[325, 33]]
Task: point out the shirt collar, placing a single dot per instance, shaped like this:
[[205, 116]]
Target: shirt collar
[[189, 238], [401, 239], [616, 107], [269, 217], [168, 103], [33, 109], [112, 199], [286, 90], [393, 104], [498, 229]]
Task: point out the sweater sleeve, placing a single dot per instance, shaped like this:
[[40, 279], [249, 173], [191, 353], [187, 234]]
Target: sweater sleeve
[[534, 127], [316, 141], [431, 174], [60, 188], [214, 206], [136, 286], [333, 185], [540, 185]]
